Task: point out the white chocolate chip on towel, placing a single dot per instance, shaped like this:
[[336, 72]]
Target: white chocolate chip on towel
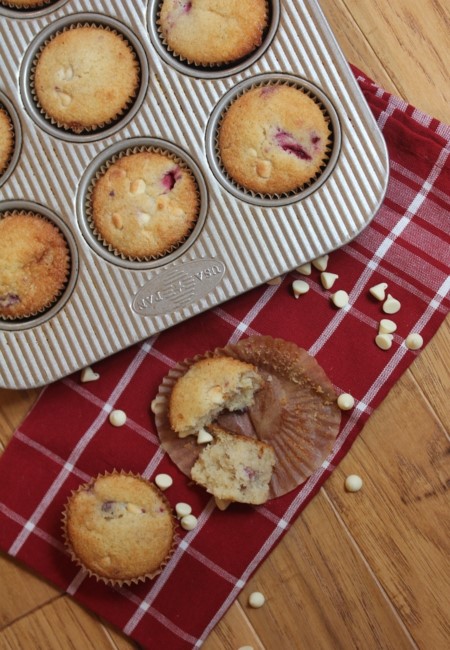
[[340, 298], [321, 263], [304, 269], [299, 287], [345, 401], [391, 305], [414, 341], [328, 279], [386, 326], [379, 291], [87, 374], [117, 418], [163, 481], [384, 341]]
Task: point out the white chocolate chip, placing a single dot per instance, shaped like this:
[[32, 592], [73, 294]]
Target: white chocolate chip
[[328, 279], [340, 298], [64, 98], [275, 282], [386, 326], [158, 405], [252, 152], [203, 437], [117, 418], [321, 263], [299, 287], [137, 186], [264, 168], [143, 218], [133, 508], [304, 269], [246, 647], [117, 221], [391, 305], [183, 509], [256, 599], [414, 341], [189, 522], [384, 341], [87, 374], [163, 481], [353, 483], [65, 74], [346, 401], [222, 504], [379, 291]]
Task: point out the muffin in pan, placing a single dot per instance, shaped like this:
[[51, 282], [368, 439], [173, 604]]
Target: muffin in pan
[[273, 139], [26, 4], [211, 33], [6, 139], [85, 77], [143, 204], [119, 528], [35, 264]]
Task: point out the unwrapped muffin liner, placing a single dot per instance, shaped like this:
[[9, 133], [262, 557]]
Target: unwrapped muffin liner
[[59, 293], [296, 410], [111, 581], [85, 129], [101, 171], [223, 65], [304, 186]]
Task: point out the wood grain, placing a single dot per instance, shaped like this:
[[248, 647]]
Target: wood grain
[[366, 570]]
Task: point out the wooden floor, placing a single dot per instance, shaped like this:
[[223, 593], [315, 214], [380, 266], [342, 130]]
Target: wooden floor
[[367, 570]]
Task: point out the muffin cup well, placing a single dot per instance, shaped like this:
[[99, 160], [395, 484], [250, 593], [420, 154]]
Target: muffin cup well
[[113, 581]]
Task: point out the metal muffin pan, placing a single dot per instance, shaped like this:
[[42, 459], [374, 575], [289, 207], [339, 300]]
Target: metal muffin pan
[[240, 241]]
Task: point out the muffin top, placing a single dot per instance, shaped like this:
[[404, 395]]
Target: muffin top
[[26, 4], [6, 140], [209, 32], [85, 77], [34, 264], [273, 139], [145, 204], [119, 527]]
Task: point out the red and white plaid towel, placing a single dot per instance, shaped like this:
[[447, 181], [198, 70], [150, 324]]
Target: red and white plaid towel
[[67, 438]]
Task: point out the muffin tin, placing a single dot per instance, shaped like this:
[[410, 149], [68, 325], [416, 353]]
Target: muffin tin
[[241, 239]]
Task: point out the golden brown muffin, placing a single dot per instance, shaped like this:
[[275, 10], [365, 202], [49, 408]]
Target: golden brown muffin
[[6, 140], [145, 204], [34, 264], [119, 527], [235, 467], [273, 139], [211, 32], [25, 4], [209, 387], [85, 77]]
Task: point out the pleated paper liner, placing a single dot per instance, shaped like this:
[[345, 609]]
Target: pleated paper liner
[[111, 581], [101, 171], [226, 62], [296, 411], [27, 5], [296, 191], [50, 302], [84, 128], [7, 142]]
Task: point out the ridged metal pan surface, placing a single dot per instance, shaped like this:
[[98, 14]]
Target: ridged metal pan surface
[[241, 241]]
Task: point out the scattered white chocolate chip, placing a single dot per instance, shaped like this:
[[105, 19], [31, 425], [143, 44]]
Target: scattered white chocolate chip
[[353, 483], [346, 401], [203, 437], [299, 287], [321, 263], [414, 341], [117, 418], [183, 509], [386, 326], [328, 279], [87, 374], [158, 404], [246, 647], [264, 168], [304, 269], [256, 599], [163, 481], [143, 218], [189, 522], [275, 281], [340, 298], [222, 504], [137, 186], [64, 98], [384, 341], [379, 291], [117, 221], [391, 305], [133, 508]]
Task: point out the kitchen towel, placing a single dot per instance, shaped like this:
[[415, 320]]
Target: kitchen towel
[[67, 438]]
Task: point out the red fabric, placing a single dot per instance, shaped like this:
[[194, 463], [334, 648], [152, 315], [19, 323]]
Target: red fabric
[[67, 438]]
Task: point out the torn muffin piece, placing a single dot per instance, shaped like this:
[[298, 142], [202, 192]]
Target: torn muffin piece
[[209, 387], [235, 467]]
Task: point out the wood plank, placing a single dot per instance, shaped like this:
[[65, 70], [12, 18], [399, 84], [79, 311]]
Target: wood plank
[[14, 405], [400, 519], [233, 632]]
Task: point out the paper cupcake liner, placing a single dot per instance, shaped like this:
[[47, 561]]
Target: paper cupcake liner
[[300, 188], [222, 65], [101, 171], [102, 125], [60, 292], [37, 4], [296, 411], [9, 155], [112, 582]]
